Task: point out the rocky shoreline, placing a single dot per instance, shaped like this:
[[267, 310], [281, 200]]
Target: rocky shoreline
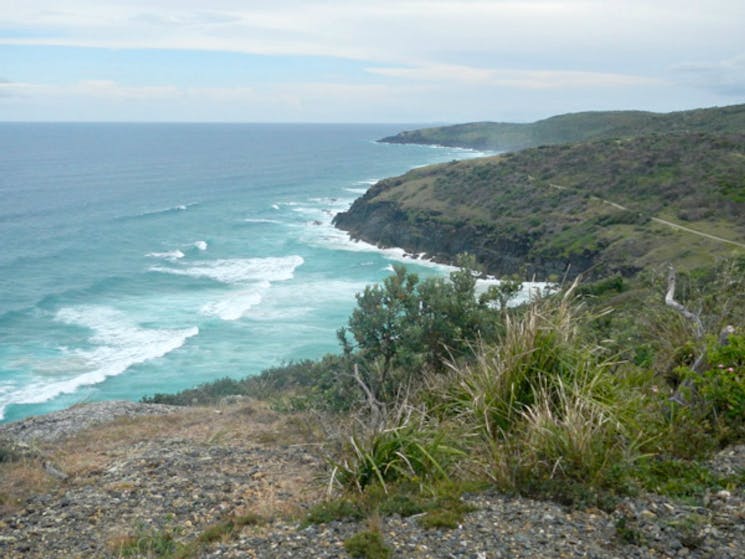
[[128, 470]]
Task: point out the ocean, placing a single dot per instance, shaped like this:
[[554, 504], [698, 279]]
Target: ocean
[[146, 258]]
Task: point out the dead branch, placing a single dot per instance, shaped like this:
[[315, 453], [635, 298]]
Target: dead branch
[[671, 302], [376, 408]]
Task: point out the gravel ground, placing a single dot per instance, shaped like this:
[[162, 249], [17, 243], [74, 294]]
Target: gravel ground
[[186, 470]]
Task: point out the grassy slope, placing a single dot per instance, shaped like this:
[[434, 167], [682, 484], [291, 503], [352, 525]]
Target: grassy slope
[[551, 201], [576, 127]]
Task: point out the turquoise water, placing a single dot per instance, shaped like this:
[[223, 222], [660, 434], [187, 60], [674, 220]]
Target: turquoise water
[[144, 258]]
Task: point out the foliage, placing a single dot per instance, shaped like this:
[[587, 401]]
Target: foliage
[[575, 127], [448, 513], [554, 413], [542, 209], [404, 327], [409, 451], [367, 545], [675, 477], [334, 509], [9, 452], [399, 330], [226, 528], [321, 384], [537, 400], [722, 389], [151, 543]]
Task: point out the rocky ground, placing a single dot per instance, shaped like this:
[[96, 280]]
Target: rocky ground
[[81, 484]]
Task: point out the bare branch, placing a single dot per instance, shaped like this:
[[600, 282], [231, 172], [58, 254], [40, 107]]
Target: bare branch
[[671, 302], [696, 320], [372, 401]]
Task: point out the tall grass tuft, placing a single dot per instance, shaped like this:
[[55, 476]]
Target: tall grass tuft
[[409, 448], [547, 405]]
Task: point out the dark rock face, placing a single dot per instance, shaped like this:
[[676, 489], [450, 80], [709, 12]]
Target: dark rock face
[[386, 224]]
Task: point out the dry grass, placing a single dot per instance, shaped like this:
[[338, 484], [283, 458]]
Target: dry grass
[[20, 480], [254, 423], [280, 490]]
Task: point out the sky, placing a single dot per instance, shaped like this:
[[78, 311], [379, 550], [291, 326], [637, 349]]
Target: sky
[[408, 61]]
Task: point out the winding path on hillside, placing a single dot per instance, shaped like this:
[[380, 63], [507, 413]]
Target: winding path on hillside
[[655, 219]]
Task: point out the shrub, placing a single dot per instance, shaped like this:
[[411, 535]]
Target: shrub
[[336, 509], [411, 450], [722, 388], [151, 543], [367, 545]]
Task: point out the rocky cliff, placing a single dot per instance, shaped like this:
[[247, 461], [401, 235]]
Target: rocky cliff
[[608, 206]]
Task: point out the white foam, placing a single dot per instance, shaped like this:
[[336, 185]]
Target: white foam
[[118, 342], [263, 220], [239, 270], [529, 290], [275, 206], [201, 245], [177, 208], [236, 305], [326, 235], [171, 255], [356, 190]]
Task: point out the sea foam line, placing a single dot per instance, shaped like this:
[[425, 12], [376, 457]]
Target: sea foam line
[[118, 342], [171, 255], [239, 270]]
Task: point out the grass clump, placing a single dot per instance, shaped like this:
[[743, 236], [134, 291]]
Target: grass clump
[[675, 477], [410, 451], [9, 452], [627, 532], [549, 409], [335, 509], [226, 528], [445, 511], [151, 543], [367, 545]]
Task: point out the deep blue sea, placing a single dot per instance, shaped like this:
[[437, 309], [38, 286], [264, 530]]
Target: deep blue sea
[[144, 258]]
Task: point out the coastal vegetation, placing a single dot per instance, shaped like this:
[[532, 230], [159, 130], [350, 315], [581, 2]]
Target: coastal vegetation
[[576, 127], [599, 208], [540, 402], [625, 380]]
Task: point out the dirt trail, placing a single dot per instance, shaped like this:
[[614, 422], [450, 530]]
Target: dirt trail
[[658, 220]]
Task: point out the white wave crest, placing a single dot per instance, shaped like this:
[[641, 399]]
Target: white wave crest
[[236, 305], [240, 270], [201, 245], [118, 342], [171, 255]]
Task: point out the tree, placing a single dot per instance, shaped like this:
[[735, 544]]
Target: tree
[[404, 327]]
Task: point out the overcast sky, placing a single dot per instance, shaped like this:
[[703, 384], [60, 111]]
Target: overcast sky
[[364, 61]]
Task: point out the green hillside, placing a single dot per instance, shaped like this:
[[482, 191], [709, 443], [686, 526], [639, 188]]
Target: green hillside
[[576, 127], [605, 205]]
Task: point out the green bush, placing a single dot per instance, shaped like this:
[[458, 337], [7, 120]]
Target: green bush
[[336, 509], [722, 388], [367, 545], [152, 543], [411, 451]]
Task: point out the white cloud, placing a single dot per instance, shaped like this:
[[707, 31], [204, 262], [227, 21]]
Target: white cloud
[[521, 79], [726, 77], [112, 91], [424, 59], [394, 32]]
